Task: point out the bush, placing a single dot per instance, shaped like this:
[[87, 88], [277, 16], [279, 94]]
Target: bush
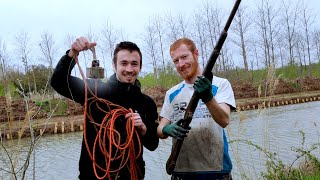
[[59, 106]]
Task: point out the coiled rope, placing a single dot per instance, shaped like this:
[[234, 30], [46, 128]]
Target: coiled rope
[[106, 130]]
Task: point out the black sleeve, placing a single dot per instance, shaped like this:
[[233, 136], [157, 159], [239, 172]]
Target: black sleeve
[[66, 85], [150, 140]]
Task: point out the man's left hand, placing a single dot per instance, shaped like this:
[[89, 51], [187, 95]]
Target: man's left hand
[[203, 87], [138, 123]]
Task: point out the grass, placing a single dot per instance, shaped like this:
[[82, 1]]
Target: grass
[[48, 105]]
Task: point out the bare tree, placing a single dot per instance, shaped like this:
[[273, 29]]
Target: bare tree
[[109, 39], [307, 20], [48, 49], [241, 29], [151, 41], [160, 32], [280, 45], [269, 29], [182, 26], [200, 38], [299, 50], [3, 60], [23, 50], [172, 26], [290, 17], [219, 16], [316, 38]]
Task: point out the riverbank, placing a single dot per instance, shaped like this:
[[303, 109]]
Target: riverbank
[[277, 100], [74, 121]]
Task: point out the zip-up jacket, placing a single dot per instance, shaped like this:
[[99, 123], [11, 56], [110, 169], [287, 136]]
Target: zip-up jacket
[[124, 94]]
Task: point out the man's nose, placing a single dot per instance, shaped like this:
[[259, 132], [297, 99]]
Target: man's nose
[[129, 68], [180, 63]]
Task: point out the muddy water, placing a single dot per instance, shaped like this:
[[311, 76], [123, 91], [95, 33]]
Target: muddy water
[[275, 129]]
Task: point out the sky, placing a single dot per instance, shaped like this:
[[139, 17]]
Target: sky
[[77, 17]]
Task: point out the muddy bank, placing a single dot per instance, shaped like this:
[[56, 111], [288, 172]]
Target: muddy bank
[[14, 120]]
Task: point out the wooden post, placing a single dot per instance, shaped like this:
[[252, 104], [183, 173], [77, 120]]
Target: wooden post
[[55, 128], [81, 127], [72, 128], [62, 126]]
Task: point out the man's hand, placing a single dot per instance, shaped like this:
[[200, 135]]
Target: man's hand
[[175, 130], [81, 44], [203, 87], [138, 123]]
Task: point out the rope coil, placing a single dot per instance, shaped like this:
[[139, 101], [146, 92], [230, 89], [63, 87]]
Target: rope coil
[[106, 130]]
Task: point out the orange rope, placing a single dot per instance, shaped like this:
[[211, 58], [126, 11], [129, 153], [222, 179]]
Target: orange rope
[[106, 130]]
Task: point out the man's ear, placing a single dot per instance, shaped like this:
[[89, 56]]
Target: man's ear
[[196, 52]]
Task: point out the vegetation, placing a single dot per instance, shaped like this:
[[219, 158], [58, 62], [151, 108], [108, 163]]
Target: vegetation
[[165, 79], [60, 105], [306, 165]]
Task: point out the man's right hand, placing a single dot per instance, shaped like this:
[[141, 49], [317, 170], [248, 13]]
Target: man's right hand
[[81, 44], [175, 130]]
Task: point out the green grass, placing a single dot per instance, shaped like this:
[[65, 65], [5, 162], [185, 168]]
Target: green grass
[[3, 89], [50, 105], [288, 73], [165, 79]]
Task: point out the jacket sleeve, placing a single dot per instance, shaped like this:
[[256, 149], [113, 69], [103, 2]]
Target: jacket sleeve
[[66, 85], [150, 140]]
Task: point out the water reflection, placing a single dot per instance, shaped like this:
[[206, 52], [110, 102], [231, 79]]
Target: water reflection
[[277, 129]]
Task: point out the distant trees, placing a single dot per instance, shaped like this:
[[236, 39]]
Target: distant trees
[[277, 33]]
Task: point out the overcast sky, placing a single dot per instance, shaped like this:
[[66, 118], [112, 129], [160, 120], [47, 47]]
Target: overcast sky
[[76, 17]]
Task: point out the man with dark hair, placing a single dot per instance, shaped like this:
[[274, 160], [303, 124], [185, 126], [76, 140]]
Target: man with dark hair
[[122, 89], [204, 152]]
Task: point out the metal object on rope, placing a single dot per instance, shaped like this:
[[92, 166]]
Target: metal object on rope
[[95, 71]]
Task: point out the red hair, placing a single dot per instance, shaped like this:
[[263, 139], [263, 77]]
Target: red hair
[[188, 42]]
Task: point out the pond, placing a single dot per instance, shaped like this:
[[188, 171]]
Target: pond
[[277, 130]]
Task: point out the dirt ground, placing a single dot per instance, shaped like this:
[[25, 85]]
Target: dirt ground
[[242, 90], [247, 97]]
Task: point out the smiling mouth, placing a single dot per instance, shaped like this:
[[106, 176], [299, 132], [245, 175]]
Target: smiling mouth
[[129, 76]]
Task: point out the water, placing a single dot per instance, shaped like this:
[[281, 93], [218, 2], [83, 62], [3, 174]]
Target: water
[[276, 129]]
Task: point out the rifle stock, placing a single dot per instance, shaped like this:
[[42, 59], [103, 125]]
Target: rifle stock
[[171, 162]]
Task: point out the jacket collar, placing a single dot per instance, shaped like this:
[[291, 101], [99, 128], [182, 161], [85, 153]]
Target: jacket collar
[[124, 87]]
